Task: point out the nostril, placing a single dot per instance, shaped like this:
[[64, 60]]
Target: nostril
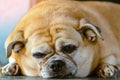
[[53, 67], [57, 65]]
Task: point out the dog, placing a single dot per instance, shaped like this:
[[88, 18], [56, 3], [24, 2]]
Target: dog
[[59, 38]]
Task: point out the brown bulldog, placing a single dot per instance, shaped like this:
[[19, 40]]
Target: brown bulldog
[[58, 38]]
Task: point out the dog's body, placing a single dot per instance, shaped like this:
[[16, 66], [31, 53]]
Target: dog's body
[[63, 32]]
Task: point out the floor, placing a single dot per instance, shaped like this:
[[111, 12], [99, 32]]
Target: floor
[[38, 78]]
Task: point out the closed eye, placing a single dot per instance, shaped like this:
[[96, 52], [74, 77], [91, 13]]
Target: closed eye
[[39, 55], [68, 48]]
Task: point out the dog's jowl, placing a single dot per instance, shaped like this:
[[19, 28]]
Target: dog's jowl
[[59, 38]]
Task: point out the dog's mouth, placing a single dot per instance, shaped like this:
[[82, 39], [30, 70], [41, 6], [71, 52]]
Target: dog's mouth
[[61, 76], [58, 75], [55, 73], [62, 73]]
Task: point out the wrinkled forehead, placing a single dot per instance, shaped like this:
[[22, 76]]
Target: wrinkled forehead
[[52, 34]]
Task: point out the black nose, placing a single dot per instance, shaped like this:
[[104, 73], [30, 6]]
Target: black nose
[[57, 65]]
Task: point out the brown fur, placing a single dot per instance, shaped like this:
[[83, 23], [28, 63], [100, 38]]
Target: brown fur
[[43, 19]]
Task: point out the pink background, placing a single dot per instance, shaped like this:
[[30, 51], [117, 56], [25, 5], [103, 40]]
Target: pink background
[[10, 13]]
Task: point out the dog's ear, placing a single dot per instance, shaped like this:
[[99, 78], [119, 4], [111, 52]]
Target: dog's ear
[[89, 30], [16, 44]]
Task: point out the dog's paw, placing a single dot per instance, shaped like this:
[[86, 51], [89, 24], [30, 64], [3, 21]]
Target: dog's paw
[[107, 70], [10, 69]]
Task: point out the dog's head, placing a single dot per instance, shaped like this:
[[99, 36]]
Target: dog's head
[[60, 47]]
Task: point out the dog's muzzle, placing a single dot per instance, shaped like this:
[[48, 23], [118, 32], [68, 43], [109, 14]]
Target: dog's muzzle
[[58, 67]]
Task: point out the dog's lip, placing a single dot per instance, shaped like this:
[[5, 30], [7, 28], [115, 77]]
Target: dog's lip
[[61, 76]]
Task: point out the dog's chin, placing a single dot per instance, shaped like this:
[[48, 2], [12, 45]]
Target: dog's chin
[[50, 74], [57, 75]]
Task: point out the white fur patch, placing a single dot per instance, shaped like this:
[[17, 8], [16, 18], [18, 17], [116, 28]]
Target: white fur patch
[[11, 60]]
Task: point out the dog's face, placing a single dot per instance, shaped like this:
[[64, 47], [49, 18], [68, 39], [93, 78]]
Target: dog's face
[[54, 55], [57, 52], [60, 47]]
